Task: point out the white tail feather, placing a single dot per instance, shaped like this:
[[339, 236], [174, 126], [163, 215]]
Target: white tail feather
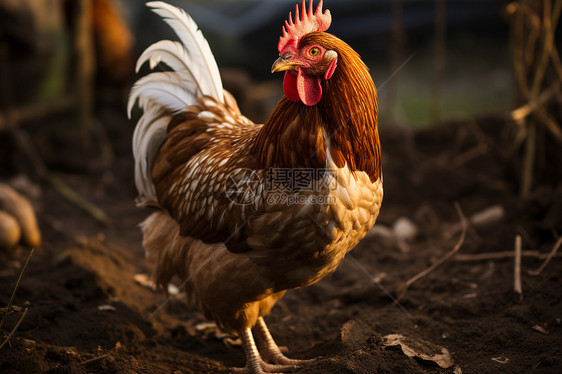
[[161, 94], [177, 58], [164, 88], [193, 40], [149, 135]]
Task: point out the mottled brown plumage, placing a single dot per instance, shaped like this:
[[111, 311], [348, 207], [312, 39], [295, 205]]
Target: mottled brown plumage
[[232, 225]]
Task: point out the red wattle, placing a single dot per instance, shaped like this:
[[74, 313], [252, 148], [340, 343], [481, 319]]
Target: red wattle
[[302, 87], [309, 88], [290, 86]]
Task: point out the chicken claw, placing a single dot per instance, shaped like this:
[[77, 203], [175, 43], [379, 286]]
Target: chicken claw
[[254, 362], [270, 351]]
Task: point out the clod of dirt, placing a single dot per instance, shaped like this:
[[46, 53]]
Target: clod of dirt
[[421, 349], [10, 231], [19, 207], [354, 334]]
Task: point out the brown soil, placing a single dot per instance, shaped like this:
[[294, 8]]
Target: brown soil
[[467, 307]]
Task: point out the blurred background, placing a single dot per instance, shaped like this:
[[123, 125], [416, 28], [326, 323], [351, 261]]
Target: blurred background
[[430, 59]]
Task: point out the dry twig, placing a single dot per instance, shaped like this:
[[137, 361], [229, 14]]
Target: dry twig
[[36, 111], [402, 289], [516, 47], [11, 301], [549, 25], [471, 154], [517, 268], [533, 51], [522, 112], [548, 258], [14, 329], [69, 194], [97, 358], [529, 159], [13, 309], [549, 122], [498, 256], [480, 149], [108, 353], [556, 63]]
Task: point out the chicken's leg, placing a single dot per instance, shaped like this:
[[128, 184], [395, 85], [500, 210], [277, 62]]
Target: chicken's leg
[[270, 351], [254, 362]]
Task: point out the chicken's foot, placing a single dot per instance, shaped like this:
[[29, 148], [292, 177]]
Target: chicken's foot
[[254, 362], [270, 351]]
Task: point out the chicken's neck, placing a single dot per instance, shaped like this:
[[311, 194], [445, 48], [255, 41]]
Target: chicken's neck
[[349, 109], [296, 135], [292, 138]]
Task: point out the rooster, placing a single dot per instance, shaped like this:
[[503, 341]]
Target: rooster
[[248, 211]]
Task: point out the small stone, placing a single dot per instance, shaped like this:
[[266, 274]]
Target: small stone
[[405, 229], [106, 308], [488, 217]]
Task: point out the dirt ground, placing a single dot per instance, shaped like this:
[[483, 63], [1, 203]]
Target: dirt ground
[[88, 314]]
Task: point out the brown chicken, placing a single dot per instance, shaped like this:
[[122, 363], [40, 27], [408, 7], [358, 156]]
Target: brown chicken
[[249, 211]]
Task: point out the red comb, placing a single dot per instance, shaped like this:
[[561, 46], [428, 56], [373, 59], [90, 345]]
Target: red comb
[[305, 23]]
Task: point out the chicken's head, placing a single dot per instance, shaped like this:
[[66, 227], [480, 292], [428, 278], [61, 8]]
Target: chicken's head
[[303, 56]]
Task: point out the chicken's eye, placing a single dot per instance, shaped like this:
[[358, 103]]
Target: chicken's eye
[[314, 51]]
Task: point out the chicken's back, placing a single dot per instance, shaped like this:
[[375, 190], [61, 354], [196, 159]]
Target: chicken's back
[[204, 168]]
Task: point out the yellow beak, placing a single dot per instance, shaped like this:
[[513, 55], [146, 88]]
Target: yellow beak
[[281, 64]]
